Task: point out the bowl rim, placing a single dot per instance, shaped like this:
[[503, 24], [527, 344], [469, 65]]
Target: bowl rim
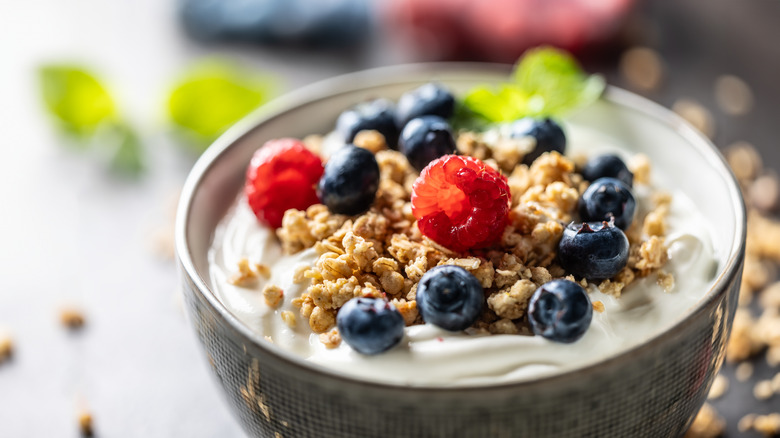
[[399, 74]]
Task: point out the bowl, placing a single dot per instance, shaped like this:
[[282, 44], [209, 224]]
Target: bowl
[[653, 389]]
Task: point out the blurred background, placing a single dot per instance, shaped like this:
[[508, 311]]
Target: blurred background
[[104, 107]]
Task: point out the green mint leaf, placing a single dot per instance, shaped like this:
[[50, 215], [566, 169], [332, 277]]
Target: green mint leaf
[[545, 82], [554, 82], [212, 97], [128, 154], [75, 98], [464, 119]]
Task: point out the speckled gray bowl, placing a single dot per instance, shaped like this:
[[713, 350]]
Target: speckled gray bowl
[[652, 390]]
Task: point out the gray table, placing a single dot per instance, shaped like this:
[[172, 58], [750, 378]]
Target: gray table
[[73, 234]]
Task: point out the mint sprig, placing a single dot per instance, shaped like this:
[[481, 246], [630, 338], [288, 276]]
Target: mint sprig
[[212, 96], [83, 108], [76, 99], [545, 82]]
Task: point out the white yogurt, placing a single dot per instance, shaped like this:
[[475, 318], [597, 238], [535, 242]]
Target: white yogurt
[[430, 356]]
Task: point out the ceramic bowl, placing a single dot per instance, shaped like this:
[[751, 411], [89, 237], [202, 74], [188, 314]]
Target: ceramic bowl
[[652, 390]]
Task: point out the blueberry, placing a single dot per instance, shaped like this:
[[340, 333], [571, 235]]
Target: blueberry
[[560, 311], [425, 139], [593, 250], [608, 198], [430, 99], [370, 325], [449, 297], [607, 165], [549, 136], [375, 115], [350, 180]]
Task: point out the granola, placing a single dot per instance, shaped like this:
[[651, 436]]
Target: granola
[[382, 253]]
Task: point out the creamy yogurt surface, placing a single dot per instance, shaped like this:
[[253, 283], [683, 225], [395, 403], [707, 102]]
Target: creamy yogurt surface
[[430, 356]]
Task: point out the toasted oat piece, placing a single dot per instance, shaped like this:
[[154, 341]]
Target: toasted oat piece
[[642, 68], [84, 419], [707, 424], [719, 387], [696, 114], [72, 318], [733, 95], [272, 294], [245, 276], [6, 347]]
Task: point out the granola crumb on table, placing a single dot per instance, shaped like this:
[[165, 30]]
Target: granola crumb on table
[[382, 253]]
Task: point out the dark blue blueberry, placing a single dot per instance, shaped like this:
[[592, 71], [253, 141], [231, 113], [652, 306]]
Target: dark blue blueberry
[[607, 166], [593, 250], [370, 325], [549, 136], [334, 23], [430, 99], [560, 311], [449, 297], [606, 199], [425, 139], [375, 115], [350, 180]]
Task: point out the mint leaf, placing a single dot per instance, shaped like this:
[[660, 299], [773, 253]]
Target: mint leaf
[[554, 82], [212, 97], [545, 82], [124, 151], [75, 98]]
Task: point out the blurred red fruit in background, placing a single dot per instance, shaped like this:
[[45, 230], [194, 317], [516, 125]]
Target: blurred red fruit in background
[[500, 30]]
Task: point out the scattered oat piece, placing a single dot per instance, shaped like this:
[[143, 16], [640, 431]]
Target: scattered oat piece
[[707, 424], [733, 95], [263, 270], [289, 318], [697, 115], [744, 160], [764, 192], [719, 387], [85, 423], [642, 68], [763, 390], [776, 383], [769, 425], [313, 142], [273, 295], [639, 165], [6, 346], [598, 306], [245, 276], [372, 140], [746, 422], [331, 339], [744, 371], [666, 281], [72, 318]]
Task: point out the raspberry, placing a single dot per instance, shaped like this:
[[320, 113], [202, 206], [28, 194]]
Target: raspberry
[[461, 203], [282, 175]]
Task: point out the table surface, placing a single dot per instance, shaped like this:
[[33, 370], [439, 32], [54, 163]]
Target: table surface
[[73, 234]]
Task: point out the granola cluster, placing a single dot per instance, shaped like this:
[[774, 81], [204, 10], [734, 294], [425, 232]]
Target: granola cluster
[[382, 252]]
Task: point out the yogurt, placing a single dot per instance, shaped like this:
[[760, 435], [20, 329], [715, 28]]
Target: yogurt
[[429, 356]]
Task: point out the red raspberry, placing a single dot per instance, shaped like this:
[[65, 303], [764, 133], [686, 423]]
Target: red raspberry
[[461, 203], [282, 175]]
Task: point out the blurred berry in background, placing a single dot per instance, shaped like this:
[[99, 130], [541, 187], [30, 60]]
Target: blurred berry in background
[[315, 23], [500, 30]]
